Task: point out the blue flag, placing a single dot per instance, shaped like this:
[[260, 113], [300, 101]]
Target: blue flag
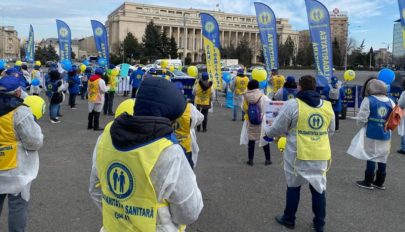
[[319, 28], [65, 40], [30, 51], [401, 4], [210, 32], [101, 40], [266, 21]]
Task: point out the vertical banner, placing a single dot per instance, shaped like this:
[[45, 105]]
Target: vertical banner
[[65, 40], [266, 21], [319, 28], [101, 40], [30, 51], [401, 4], [210, 32]]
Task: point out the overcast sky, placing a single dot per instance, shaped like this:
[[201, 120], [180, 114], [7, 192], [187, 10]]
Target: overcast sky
[[371, 20]]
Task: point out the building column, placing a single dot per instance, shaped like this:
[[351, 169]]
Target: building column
[[223, 37], [236, 39], [193, 45], [178, 37], [170, 32]]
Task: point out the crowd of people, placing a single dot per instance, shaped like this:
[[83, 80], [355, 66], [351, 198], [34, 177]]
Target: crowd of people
[[157, 145]]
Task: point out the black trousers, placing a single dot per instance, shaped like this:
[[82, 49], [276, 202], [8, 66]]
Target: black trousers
[[72, 100], [204, 123], [93, 120], [109, 102], [133, 94], [251, 150], [336, 120]]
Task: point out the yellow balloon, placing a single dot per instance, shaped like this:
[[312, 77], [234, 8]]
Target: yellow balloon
[[349, 75], [18, 63], [171, 68], [125, 106], [192, 71], [180, 68], [164, 63], [259, 75], [282, 143], [36, 104], [82, 67], [38, 63], [115, 72]]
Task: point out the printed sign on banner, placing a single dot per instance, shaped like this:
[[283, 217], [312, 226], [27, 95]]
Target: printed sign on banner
[[350, 96], [272, 110]]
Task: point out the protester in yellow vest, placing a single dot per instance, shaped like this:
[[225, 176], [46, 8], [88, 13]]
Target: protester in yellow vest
[[20, 139], [140, 178], [185, 132], [238, 86], [96, 89], [307, 121], [111, 81], [204, 95], [277, 81]]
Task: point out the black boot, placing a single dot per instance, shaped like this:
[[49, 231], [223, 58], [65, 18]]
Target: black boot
[[97, 121], [379, 181], [90, 120], [367, 182]]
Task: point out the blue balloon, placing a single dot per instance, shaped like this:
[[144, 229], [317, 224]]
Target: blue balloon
[[2, 64], [227, 77], [66, 65], [102, 62], [263, 84], [86, 62], [30, 60], [386, 75], [35, 82], [388, 88]]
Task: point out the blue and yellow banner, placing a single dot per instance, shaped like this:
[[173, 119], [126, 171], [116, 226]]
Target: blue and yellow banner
[[319, 28], [401, 4], [101, 40], [266, 21], [65, 40], [210, 32], [30, 51]]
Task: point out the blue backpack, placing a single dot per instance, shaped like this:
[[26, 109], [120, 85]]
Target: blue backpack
[[255, 113]]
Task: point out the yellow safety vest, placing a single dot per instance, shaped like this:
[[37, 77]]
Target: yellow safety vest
[[241, 85], [278, 82], [112, 80], [202, 97], [129, 201], [8, 142], [94, 89], [182, 130], [312, 131]]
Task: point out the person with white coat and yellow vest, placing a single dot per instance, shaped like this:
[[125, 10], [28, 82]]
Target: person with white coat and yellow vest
[[238, 87], [204, 95], [140, 177], [307, 121], [96, 89], [20, 139], [185, 132]]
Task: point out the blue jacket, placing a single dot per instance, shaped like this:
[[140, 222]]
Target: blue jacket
[[74, 84], [136, 78]]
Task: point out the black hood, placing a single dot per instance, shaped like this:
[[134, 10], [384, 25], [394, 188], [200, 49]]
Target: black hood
[[128, 132], [205, 86], [8, 103], [310, 97]]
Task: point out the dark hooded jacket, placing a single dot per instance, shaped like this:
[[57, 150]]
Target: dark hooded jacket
[[8, 103], [311, 97]]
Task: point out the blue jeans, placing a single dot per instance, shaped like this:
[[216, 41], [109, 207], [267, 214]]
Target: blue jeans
[[17, 212], [318, 206], [403, 143], [370, 170], [54, 110], [235, 112]]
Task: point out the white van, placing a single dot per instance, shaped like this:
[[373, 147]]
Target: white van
[[172, 62]]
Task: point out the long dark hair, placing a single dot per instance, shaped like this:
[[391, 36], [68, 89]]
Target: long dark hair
[[363, 92]]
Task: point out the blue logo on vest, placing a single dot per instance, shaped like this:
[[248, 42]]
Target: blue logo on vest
[[315, 121], [120, 180]]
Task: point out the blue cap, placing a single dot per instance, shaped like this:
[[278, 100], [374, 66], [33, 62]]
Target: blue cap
[[99, 71], [290, 79], [111, 66], [152, 70], [9, 83], [11, 71], [240, 71], [205, 76]]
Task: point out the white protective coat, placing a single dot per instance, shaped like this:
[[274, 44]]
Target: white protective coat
[[196, 119], [98, 107], [374, 150], [29, 141], [174, 181], [298, 172], [401, 103]]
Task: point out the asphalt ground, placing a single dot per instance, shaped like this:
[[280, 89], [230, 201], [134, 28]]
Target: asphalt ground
[[237, 197]]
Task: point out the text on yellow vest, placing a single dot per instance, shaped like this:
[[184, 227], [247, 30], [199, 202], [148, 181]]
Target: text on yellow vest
[[202, 97], [8, 142], [129, 201], [94, 88], [312, 131], [182, 129], [241, 85]]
